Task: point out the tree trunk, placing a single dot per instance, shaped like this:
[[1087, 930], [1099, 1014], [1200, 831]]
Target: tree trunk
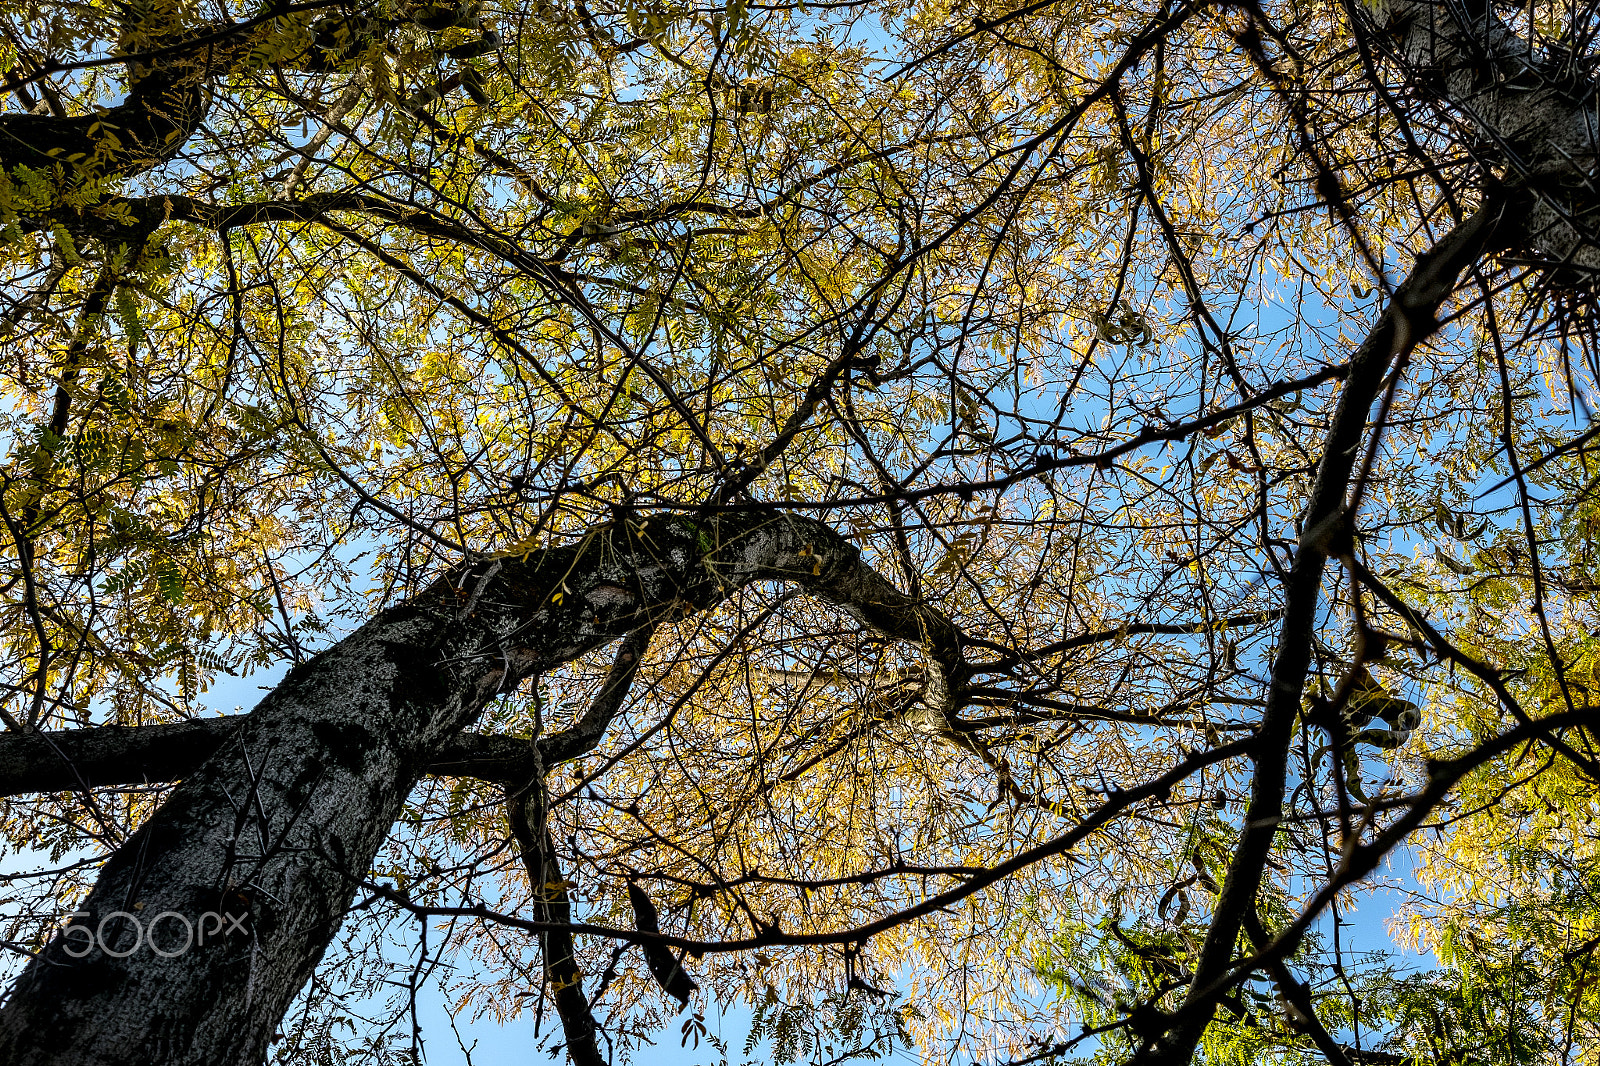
[[1529, 117], [275, 831]]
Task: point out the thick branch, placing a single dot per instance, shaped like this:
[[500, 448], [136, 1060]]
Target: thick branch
[[114, 756], [165, 104], [527, 811], [1410, 318], [283, 821], [1532, 117], [171, 79]]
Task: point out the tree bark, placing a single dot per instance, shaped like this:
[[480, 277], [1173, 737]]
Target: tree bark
[[1529, 118], [113, 756], [280, 825]]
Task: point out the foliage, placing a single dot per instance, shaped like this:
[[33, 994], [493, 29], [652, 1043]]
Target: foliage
[[1048, 309]]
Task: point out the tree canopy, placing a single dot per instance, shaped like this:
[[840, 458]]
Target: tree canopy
[[975, 529]]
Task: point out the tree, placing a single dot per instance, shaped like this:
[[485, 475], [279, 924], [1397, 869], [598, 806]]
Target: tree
[[942, 520]]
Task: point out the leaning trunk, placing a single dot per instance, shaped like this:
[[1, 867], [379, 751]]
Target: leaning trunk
[[265, 846], [259, 853]]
